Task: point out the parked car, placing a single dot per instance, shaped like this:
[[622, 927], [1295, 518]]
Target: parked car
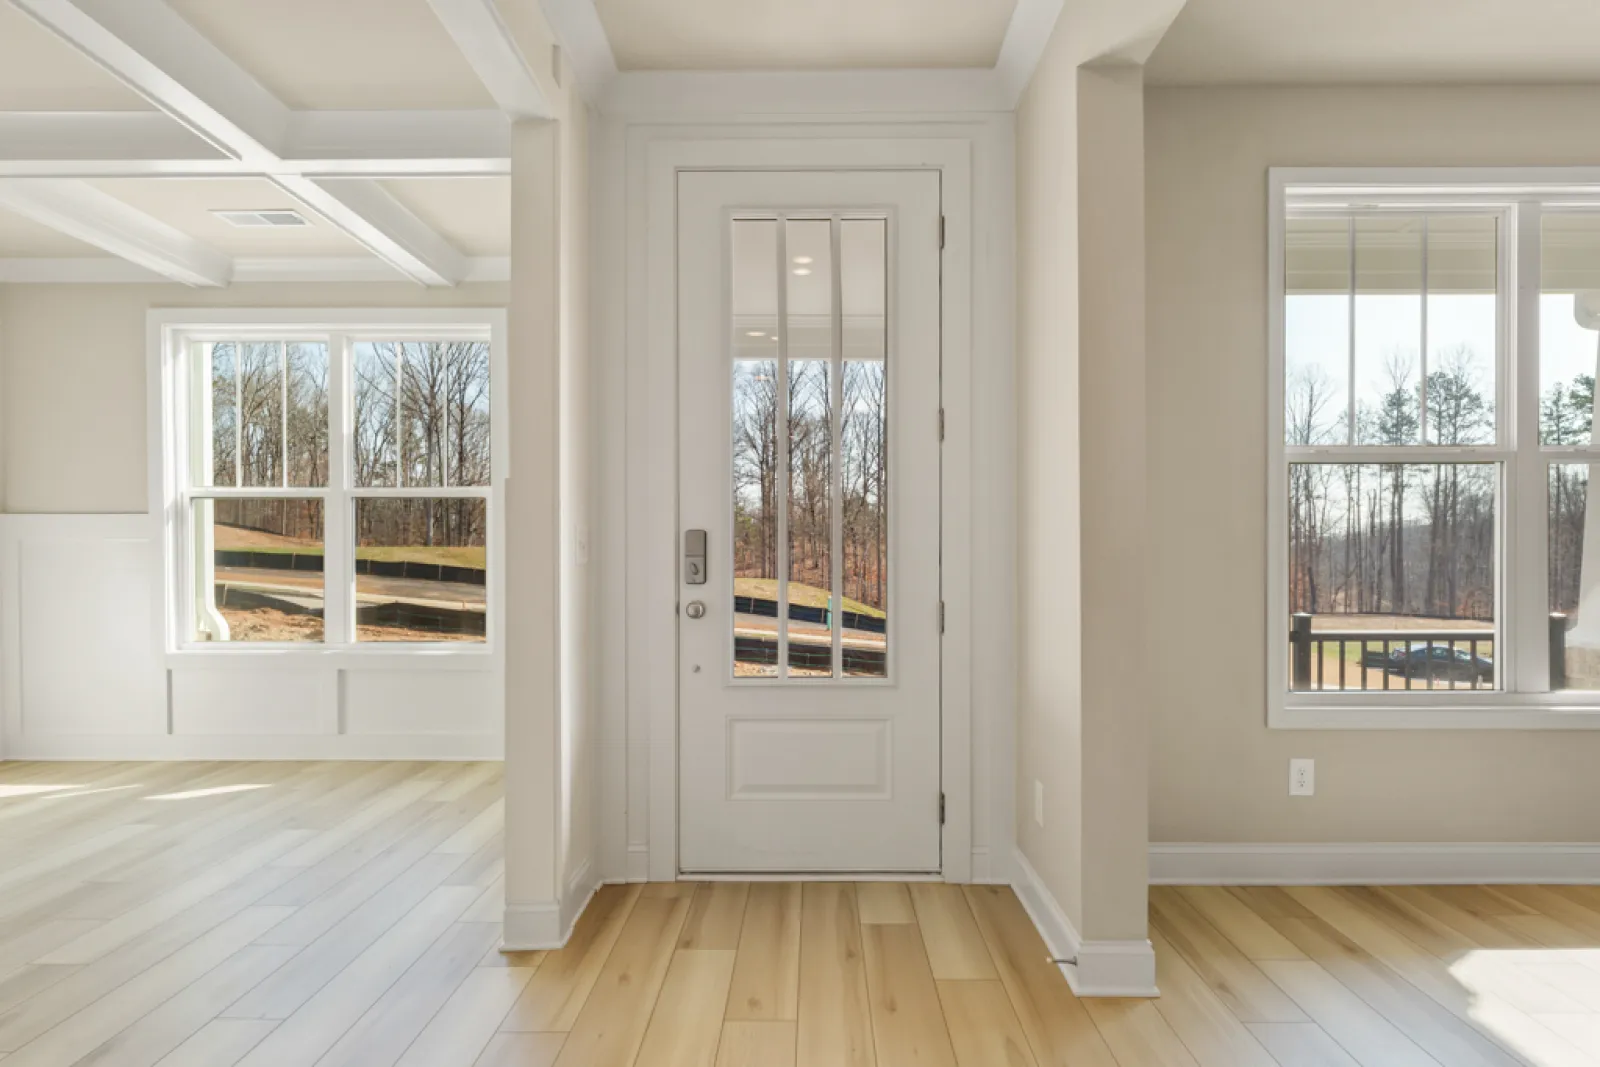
[[1439, 662]]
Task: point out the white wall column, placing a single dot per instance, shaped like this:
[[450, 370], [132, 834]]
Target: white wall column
[[533, 552]]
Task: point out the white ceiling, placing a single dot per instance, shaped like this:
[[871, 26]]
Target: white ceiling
[[40, 72], [1379, 41], [474, 214], [24, 238], [357, 55], [817, 35], [187, 205]]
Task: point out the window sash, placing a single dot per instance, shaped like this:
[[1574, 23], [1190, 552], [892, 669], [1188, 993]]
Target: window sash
[[1522, 637], [339, 496]]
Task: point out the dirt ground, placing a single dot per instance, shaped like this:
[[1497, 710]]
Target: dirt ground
[[265, 624]]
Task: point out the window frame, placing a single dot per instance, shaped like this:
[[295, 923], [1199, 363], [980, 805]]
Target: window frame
[[173, 335], [1520, 197]]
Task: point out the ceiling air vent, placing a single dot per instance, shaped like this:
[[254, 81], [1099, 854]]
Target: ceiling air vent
[[272, 217]]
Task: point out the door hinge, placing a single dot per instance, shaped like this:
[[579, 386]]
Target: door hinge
[[941, 616], [941, 232], [941, 809], [941, 425]]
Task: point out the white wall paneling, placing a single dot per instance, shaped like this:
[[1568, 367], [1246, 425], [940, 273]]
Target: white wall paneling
[[634, 166], [85, 676]]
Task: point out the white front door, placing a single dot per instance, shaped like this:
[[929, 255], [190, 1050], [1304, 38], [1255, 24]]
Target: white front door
[[809, 647]]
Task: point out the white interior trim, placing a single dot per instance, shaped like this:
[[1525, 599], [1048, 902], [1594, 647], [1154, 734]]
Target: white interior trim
[[712, 94], [486, 41], [1369, 863], [638, 700], [79, 210], [577, 26], [1096, 968], [1031, 25]]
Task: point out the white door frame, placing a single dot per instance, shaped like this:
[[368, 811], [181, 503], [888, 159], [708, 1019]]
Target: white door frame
[[652, 513]]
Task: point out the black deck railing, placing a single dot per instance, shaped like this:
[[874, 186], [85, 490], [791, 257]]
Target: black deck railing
[[1391, 659]]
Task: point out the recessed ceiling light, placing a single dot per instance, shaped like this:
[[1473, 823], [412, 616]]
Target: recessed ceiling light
[[754, 333], [802, 259], [269, 217], [802, 270]]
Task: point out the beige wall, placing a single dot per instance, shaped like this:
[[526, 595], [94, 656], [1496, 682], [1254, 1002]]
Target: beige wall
[[1049, 699], [1217, 773], [74, 361]]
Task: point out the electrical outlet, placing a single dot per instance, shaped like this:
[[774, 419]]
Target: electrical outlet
[[1038, 802], [1302, 777]]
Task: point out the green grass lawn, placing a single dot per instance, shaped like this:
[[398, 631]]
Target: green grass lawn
[[453, 556], [805, 595]]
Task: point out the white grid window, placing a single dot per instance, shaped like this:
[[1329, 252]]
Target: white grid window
[[1435, 345], [332, 487]]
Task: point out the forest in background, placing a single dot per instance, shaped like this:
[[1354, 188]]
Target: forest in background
[[1413, 538], [863, 473], [421, 419]]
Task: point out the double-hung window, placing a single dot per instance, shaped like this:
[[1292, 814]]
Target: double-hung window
[[330, 482], [1435, 343]]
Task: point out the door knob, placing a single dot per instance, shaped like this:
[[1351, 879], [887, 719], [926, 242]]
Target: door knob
[[695, 609]]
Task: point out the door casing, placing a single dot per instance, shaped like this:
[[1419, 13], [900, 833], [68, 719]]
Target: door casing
[[652, 541]]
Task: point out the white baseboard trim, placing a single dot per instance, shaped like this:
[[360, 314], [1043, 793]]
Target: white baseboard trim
[[533, 927], [638, 863], [255, 747], [1103, 968], [1357, 863]]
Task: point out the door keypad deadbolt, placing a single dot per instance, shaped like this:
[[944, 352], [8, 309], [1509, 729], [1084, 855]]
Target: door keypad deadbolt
[[694, 557], [695, 609]]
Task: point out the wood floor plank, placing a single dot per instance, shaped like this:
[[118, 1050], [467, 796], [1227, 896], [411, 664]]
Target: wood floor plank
[[949, 933], [983, 1026], [521, 1050], [75, 1037], [1370, 1039], [716, 916], [686, 1024], [1301, 1045], [766, 976], [220, 1043], [908, 1026], [1250, 933], [462, 1028], [1439, 1033], [835, 1025], [1059, 1030], [1138, 1033], [1238, 981], [885, 902], [323, 1019], [558, 989], [383, 1033], [612, 1023], [759, 1043], [1212, 1033]]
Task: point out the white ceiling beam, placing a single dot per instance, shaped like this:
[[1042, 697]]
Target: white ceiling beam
[[577, 26], [486, 42], [84, 270], [79, 210], [369, 213], [100, 144], [643, 94], [149, 46]]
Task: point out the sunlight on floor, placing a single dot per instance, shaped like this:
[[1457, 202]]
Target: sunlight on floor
[[7, 791], [1537, 1002], [213, 792]]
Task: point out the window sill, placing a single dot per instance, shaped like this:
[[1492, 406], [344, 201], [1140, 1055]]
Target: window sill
[[1502, 715], [440, 657]]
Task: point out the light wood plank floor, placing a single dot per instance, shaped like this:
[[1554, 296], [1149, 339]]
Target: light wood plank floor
[[284, 914]]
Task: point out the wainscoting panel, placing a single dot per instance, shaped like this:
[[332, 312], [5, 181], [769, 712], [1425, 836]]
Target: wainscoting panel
[[86, 675]]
